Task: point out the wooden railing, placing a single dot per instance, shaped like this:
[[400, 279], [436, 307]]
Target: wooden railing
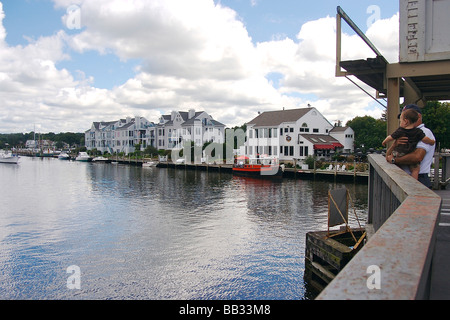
[[395, 262]]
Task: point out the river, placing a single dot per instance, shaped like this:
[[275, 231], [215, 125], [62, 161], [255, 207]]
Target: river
[[74, 230]]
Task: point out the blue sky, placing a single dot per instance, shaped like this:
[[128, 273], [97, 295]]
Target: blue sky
[[130, 74]]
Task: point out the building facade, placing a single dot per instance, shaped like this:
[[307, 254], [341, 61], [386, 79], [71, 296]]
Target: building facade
[[125, 134], [121, 135], [196, 126], [295, 134]]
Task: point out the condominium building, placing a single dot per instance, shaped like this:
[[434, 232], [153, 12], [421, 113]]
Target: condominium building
[[196, 126], [168, 134], [120, 135]]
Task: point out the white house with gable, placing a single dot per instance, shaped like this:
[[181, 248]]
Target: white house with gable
[[293, 134]]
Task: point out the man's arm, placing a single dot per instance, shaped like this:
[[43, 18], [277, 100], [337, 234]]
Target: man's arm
[[411, 158]]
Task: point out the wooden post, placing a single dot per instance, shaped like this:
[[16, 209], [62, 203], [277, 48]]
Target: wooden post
[[393, 107], [436, 181]]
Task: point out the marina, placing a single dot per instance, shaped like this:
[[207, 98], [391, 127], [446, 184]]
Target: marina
[[156, 233]]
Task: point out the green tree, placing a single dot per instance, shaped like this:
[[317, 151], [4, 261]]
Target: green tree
[[150, 150], [436, 117], [369, 132]]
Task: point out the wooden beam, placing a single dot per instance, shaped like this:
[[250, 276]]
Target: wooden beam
[[418, 69]]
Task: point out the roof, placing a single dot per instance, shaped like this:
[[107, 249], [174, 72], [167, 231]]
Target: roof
[[319, 138], [322, 141], [275, 118], [103, 123], [186, 121], [339, 129]]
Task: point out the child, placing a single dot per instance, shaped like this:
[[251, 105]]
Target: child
[[408, 129]]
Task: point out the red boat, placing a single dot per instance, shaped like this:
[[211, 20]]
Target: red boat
[[262, 167]]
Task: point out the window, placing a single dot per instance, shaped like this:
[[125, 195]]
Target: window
[[286, 130], [316, 130], [286, 150], [291, 129], [274, 132], [291, 151], [306, 151], [281, 131], [250, 134]]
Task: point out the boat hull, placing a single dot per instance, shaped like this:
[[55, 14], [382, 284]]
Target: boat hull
[[101, 160], [10, 160], [257, 171]]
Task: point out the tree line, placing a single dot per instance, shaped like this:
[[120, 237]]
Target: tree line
[[19, 139]]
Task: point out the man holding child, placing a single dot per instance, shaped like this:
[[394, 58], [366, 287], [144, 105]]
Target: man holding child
[[422, 154]]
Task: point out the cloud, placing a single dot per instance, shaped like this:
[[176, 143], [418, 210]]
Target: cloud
[[194, 54]]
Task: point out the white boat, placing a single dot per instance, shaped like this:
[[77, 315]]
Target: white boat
[[101, 159], [149, 164], [63, 156], [83, 156], [8, 158]]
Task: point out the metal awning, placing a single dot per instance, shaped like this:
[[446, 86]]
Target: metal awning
[[373, 72], [417, 82], [324, 147], [370, 71]]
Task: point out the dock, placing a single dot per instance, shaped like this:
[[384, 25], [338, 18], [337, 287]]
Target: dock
[[288, 172]]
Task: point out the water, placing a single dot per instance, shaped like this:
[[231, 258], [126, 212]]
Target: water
[[154, 233]]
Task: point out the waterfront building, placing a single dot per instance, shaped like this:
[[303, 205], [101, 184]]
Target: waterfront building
[[120, 135], [296, 134], [124, 134], [31, 144], [196, 126], [346, 136]]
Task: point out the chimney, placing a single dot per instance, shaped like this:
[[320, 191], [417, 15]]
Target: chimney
[[173, 115], [191, 113]]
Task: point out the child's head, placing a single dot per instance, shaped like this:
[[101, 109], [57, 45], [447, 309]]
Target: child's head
[[408, 117]]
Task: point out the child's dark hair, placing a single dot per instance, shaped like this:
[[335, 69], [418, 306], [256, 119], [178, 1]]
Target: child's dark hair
[[411, 115]]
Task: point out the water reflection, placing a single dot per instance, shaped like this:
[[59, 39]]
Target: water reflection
[[150, 233]]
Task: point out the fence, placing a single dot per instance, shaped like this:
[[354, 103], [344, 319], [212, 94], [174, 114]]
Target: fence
[[404, 215]]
